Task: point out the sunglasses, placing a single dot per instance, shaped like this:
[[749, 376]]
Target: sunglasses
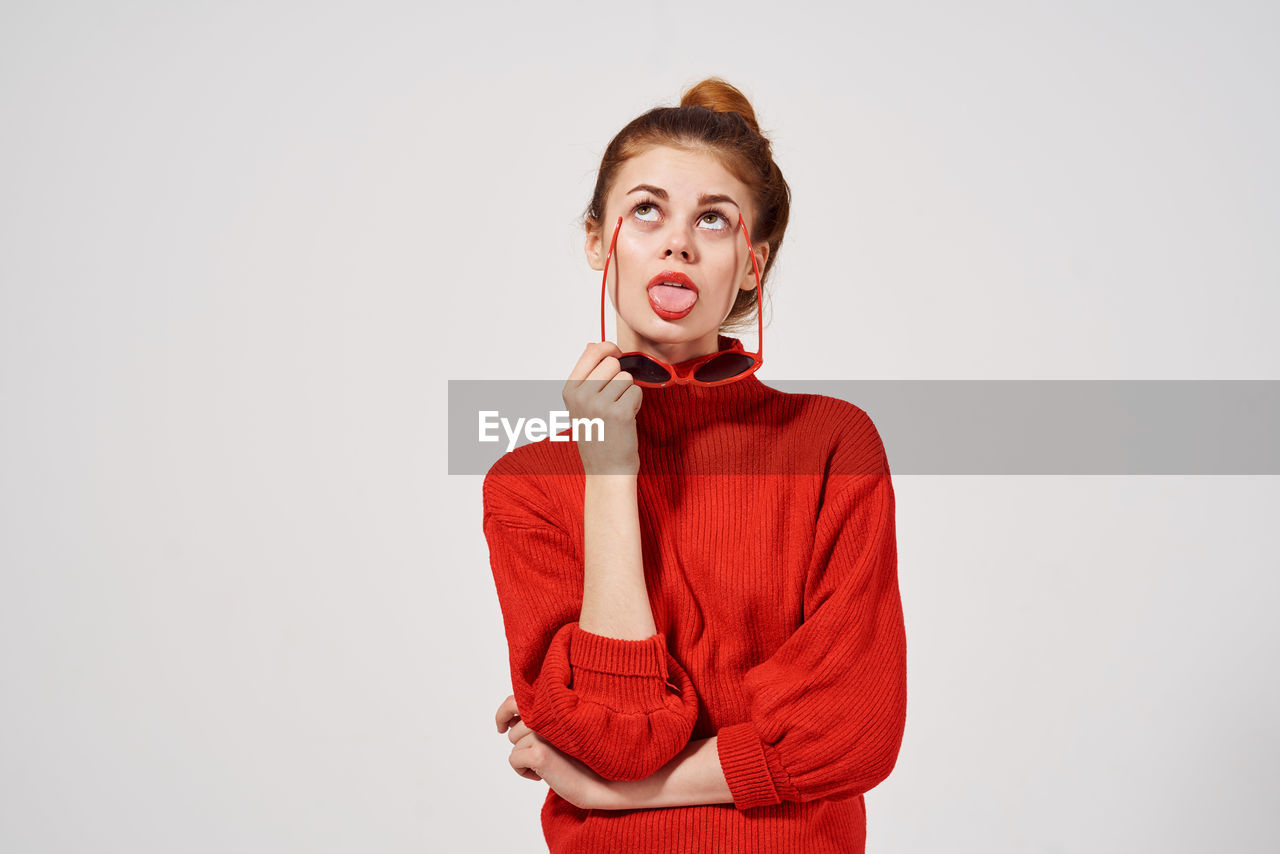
[[713, 369]]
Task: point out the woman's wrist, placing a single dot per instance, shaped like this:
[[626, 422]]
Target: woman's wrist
[[612, 481]]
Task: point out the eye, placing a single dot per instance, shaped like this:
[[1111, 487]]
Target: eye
[[714, 220], [646, 212]]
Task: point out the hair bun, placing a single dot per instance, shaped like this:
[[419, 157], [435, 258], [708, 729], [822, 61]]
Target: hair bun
[[720, 97]]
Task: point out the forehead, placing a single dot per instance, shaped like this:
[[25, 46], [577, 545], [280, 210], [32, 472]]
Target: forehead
[[684, 174]]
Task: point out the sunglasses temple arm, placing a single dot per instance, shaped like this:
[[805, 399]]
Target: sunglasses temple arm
[[604, 282], [759, 292]]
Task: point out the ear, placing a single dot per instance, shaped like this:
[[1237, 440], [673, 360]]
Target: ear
[[595, 248], [762, 255]]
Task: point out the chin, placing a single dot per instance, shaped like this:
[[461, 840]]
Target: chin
[[665, 331]]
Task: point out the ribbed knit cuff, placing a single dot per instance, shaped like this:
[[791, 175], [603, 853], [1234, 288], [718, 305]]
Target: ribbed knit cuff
[[617, 656], [750, 768], [627, 676]]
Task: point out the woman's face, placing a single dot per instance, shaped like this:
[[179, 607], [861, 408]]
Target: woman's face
[[679, 214]]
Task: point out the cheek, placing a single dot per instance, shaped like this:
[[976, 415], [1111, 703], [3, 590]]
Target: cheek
[[628, 252], [625, 274], [726, 270], [629, 256]]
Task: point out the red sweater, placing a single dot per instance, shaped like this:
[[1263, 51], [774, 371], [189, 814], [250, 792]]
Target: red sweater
[[767, 527]]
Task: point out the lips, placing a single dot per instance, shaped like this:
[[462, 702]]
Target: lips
[[672, 295]]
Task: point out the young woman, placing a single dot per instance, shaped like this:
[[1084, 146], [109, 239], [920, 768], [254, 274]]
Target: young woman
[[706, 637]]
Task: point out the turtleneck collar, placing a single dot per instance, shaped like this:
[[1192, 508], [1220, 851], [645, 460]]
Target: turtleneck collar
[[695, 428]]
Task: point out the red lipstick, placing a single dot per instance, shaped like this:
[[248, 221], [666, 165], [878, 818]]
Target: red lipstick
[[672, 295]]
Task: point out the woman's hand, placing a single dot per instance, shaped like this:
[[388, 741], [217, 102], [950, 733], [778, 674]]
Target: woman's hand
[[694, 777], [599, 388], [537, 759]]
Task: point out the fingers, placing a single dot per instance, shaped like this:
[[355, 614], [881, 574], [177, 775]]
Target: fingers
[[615, 407], [590, 358], [528, 751], [605, 372], [528, 755], [518, 731], [632, 397], [598, 365], [507, 713], [622, 383], [607, 380], [607, 369], [597, 380], [522, 760]]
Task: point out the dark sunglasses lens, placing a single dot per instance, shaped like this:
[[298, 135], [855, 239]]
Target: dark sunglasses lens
[[644, 369], [724, 366]]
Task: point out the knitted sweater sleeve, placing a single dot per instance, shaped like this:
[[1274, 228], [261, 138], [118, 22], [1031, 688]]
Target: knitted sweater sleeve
[[826, 712], [623, 707]]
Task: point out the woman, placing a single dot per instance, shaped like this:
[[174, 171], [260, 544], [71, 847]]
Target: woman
[[706, 637]]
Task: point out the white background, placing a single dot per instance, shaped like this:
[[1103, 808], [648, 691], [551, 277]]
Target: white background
[[244, 246]]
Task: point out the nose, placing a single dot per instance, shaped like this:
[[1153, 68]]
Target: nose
[[679, 242]]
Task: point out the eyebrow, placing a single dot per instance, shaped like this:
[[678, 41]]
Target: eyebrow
[[704, 199]]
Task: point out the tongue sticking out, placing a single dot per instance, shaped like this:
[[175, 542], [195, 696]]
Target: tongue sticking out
[[671, 298]]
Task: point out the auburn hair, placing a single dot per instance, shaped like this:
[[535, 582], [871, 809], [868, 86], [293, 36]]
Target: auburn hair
[[713, 115]]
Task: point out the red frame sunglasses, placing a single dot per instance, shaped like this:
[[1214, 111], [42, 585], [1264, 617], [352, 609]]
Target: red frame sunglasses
[[712, 369]]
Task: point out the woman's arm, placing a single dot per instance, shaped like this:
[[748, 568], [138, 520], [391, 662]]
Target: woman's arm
[[624, 707], [615, 600], [848, 655], [590, 672], [693, 778]]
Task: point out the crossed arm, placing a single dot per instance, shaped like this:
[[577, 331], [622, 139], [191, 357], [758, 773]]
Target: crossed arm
[[615, 603], [692, 778]]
